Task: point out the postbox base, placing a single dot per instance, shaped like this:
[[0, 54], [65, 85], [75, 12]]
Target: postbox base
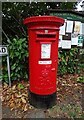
[[42, 101]]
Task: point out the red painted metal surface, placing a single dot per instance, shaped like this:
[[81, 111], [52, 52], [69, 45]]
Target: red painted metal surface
[[43, 34]]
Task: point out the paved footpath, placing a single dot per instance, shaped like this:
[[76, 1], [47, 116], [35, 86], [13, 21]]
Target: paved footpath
[[36, 113]]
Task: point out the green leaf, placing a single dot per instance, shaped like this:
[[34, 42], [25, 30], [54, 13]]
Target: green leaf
[[20, 86], [80, 79]]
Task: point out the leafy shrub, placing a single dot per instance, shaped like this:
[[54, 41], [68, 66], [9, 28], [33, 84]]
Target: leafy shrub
[[68, 61], [18, 60]]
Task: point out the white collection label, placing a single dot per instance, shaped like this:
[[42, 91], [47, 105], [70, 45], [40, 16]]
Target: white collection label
[[45, 62], [45, 50]]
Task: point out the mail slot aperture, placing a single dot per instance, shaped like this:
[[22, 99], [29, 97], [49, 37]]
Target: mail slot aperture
[[45, 36]]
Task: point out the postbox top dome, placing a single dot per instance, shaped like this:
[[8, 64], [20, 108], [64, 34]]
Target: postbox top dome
[[35, 19]]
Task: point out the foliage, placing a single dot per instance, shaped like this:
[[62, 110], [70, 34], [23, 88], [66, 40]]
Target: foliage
[[18, 60], [80, 79], [20, 86], [15, 12], [68, 61], [13, 15], [67, 5], [18, 52]]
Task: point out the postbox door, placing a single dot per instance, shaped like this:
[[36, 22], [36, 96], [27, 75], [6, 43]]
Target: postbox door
[[47, 66]]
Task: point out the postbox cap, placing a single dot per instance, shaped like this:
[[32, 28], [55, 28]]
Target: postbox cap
[[35, 19]]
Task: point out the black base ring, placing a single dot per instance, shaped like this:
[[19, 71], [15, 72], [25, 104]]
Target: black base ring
[[42, 101]]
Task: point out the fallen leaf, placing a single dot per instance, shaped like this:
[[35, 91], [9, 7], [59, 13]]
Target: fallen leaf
[[25, 108], [14, 87], [12, 109], [58, 89], [26, 95], [19, 105], [16, 94], [16, 101], [19, 96], [20, 86], [12, 105], [23, 99], [30, 107], [69, 85], [7, 98], [5, 85], [75, 84], [14, 91], [63, 84], [12, 97], [28, 85]]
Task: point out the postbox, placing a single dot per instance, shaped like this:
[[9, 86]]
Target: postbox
[[43, 32]]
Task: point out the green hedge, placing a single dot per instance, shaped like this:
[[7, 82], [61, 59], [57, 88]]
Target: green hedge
[[18, 53], [67, 63]]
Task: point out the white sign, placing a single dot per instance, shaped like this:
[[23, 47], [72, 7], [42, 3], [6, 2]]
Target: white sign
[[74, 39], [60, 41], [45, 62], [3, 50], [62, 29], [69, 27], [82, 28], [45, 50], [77, 27], [66, 44]]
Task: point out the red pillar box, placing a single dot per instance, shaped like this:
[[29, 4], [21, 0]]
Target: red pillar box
[[43, 34]]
